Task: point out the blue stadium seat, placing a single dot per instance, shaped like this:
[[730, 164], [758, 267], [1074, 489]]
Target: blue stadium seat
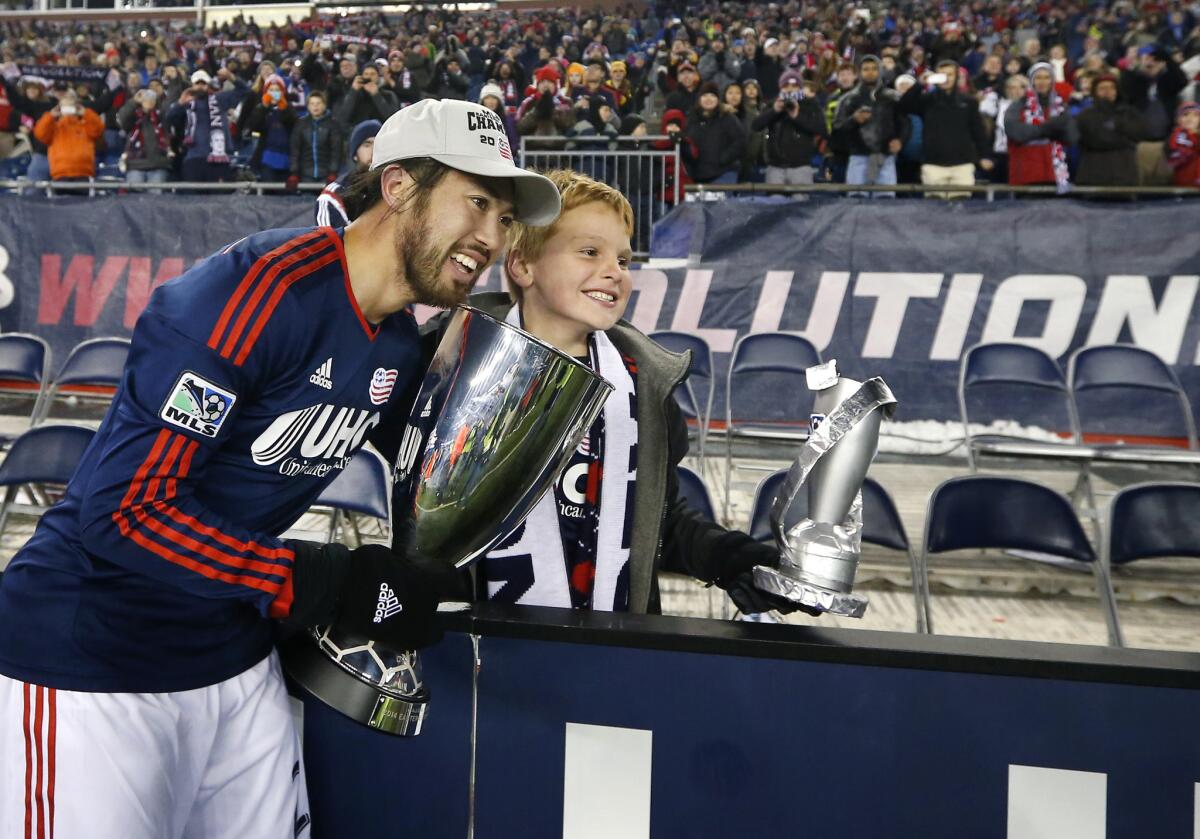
[[1031, 388], [363, 487], [692, 406], [1129, 378], [882, 525], [695, 493], [25, 368], [47, 454], [766, 381], [982, 512], [91, 372]]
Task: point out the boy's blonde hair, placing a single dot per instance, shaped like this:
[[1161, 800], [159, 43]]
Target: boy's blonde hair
[[576, 190]]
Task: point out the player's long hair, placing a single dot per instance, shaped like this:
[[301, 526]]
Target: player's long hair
[[365, 189]]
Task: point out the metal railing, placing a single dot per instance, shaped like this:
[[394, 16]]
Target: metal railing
[[990, 191], [646, 176], [97, 185]]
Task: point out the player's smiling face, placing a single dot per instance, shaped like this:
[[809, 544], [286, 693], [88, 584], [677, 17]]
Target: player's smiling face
[[581, 282], [453, 236]]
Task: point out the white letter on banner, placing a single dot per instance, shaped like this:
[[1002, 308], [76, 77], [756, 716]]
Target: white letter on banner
[[651, 287], [1058, 803], [1157, 328], [1066, 294], [771, 301], [893, 291], [6, 286], [691, 304], [956, 317], [606, 782], [826, 308]]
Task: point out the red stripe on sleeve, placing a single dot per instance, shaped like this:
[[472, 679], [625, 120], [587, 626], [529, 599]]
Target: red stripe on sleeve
[[139, 478], [276, 296], [281, 606], [37, 742], [164, 468], [236, 563], [247, 282], [283, 266], [201, 569]]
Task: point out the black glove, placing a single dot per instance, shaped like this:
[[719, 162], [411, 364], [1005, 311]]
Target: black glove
[[545, 105], [373, 592], [737, 579]]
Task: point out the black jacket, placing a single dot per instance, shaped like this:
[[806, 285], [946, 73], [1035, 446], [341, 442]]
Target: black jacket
[[886, 123], [720, 142], [358, 105], [31, 108], [1108, 138], [318, 148], [1159, 110], [953, 132], [792, 139], [667, 534]]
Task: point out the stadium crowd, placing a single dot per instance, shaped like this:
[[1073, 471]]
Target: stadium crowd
[[1026, 92]]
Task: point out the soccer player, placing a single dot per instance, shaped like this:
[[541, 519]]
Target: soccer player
[[615, 517], [140, 697]]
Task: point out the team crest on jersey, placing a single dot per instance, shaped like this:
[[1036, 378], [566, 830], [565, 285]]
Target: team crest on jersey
[[197, 405], [382, 382]]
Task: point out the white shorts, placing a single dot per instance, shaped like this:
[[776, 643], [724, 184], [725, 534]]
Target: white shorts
[[218, 762]]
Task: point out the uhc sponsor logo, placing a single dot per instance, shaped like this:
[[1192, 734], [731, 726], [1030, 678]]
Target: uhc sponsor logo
[[304, 441], [197, 405]]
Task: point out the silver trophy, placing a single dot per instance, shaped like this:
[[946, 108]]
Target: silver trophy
[[819, 553], [497, 418]]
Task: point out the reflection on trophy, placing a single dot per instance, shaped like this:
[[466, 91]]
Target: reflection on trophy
[[819, 553], [497, 418]]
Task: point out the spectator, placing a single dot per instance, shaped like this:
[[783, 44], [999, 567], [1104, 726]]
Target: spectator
[[318, 144], [366, 99], [717, 139], [683, 97], [148, 147], [912, 155], [341, 85], [69, 132], [839, 149], [674, 126], [1015, 88], [449, 80], [200, 118], [621, 87], [595, 88], [29, 98], [419, 63], [954, 139], [1038, 129], [545, 112], [719, 66], [1152, 88], [746, 110], [333, 209], [511, 89], [991, 77], [1184, 145], [769, 66], [491, 96], [871, 127], [1109, 132], [271, 122], [400, 80], [794, 125]]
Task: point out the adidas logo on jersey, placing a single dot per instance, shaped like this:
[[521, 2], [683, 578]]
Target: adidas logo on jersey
[[323, 377], [388, 604]]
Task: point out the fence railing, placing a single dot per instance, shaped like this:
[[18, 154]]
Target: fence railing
[[646, 176], [989, 191], [97, 185]]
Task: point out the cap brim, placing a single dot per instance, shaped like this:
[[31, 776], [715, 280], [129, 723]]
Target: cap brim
[[535, 196]]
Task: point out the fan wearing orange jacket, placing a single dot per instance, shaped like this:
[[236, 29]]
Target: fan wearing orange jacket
[[70, 131]]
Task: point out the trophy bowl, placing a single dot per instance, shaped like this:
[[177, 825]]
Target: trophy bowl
[[497, 417]]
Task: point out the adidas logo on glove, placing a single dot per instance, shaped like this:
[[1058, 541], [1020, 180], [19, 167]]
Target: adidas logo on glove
[[388, 604]]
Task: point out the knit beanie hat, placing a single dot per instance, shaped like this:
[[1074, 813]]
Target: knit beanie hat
[[362, 132], [490, 90]]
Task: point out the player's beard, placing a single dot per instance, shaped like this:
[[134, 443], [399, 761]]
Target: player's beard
[[421, 261]]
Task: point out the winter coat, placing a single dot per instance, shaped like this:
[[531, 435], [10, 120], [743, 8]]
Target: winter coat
[[1183, 153], [151, 157], [1158, 110], [273, 127], [687, 149], [71, 141], [318, 148], [719, 142], [952, 131], [792, 140], [358, 105], [1108, 136], [871, 137], [1030, 156], [538, 118], [30, 108]]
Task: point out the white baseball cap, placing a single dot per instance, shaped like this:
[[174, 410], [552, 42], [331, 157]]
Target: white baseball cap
[[469, 138], [201, 76]]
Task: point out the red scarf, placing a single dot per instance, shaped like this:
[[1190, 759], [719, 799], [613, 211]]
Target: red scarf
[[137, 141]]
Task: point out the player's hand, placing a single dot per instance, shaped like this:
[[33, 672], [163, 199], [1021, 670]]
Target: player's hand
[[393, 598], [737, 579]]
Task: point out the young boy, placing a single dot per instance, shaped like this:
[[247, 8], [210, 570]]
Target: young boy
[[1184, 146], [614, 517]]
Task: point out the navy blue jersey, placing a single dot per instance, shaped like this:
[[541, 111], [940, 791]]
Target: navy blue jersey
[[251, 381]]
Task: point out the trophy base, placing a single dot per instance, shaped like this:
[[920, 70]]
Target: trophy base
[[772, 581], [344, 691]]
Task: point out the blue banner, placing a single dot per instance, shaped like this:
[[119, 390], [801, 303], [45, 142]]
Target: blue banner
[[901, 288], [77, 268]]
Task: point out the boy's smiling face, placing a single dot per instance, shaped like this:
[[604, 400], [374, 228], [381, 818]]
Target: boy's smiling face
[[581, 281]]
